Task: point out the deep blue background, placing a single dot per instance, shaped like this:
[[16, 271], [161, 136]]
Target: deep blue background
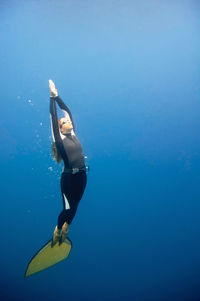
[[130, 73]]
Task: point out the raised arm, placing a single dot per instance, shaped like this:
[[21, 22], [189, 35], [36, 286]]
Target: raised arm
[[53, 112], [54, 121], [55, 126], [65, 109]]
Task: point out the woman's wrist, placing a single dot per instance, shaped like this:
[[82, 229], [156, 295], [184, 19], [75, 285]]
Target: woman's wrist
[[53, 93]]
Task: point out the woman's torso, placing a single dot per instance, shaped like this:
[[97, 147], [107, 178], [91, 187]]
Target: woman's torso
[[73, 151]]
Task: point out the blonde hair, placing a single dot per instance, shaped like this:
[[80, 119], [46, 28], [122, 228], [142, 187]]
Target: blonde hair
[[55, 153]]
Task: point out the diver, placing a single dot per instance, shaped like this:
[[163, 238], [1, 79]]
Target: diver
[[67, 148]]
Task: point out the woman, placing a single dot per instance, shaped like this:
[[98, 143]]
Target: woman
[[66, 147]]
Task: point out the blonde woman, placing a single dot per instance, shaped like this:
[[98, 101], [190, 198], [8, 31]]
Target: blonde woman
[[67, 148]]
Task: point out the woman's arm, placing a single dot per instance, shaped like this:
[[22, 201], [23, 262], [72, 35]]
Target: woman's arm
[[53, 112], [55, 127], [65, 109], [54, 121]]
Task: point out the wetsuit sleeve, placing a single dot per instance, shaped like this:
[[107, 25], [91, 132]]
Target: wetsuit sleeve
[[64, 108], [56, 131], [54, 121]]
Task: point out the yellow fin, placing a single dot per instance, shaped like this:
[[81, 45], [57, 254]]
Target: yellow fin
[[48, 256]]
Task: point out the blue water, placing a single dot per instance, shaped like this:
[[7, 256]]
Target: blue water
[[130, 73]]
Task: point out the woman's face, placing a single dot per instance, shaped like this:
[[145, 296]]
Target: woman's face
[[65, 125]]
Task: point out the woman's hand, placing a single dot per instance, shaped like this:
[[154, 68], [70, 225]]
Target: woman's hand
[[53, 90]]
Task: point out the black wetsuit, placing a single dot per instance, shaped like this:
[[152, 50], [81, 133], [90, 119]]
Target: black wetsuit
[[73, 178]]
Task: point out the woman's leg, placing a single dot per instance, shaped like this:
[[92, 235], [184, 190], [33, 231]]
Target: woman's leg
[[72, 187]]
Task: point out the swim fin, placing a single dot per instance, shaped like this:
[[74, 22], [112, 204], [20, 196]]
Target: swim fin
[[48, 256]]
